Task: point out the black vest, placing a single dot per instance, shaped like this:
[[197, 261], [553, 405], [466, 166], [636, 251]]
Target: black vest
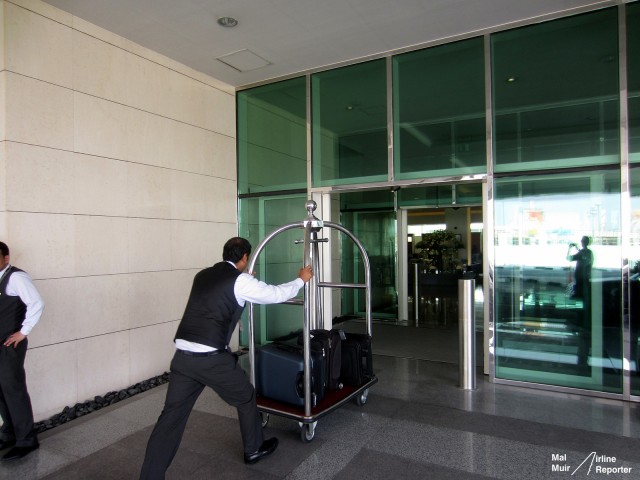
[[12, 309], [212, 310]]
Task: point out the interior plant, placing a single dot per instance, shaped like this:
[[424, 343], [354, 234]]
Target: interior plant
[[439, 252]]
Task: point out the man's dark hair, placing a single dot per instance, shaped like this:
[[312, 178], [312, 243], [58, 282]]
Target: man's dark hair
[[235, 248], [4, 249]]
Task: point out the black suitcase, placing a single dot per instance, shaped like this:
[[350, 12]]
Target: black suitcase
[[357, 359], [329, 343], [280, 374]]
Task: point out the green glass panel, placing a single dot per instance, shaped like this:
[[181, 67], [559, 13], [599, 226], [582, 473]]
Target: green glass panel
[[633, 83], [371, 218], [434, 196], [441, 195], [376, 199], [556, 93], [469, 194], [272, 137], [634, 280], [279, 262], [559, 321], [439, 111], [349, 124]]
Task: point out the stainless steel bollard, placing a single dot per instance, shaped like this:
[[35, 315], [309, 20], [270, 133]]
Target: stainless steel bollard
[[416, 294], [467, 333]]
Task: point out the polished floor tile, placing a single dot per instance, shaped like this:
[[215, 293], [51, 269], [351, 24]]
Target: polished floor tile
[[417, 423]]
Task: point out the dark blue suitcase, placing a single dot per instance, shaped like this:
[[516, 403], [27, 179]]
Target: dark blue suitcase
[[280, 374]]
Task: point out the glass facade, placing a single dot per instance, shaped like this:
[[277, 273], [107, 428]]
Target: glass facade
[[633, 85], [558, 280], [441, 195], [349, 124], [634, 280], [371, 218], [555, 93], [633, 79], [439, 111], [556, 193], [272, 137], [278, 263]]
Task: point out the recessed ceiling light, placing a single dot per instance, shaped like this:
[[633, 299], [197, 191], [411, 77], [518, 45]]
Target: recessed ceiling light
[[227, 21]]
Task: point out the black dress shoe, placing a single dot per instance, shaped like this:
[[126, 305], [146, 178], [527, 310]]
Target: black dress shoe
[[267, 448], [6, 444], [19, 452]]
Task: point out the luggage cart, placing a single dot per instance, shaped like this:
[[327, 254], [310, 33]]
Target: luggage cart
[[308, 416]]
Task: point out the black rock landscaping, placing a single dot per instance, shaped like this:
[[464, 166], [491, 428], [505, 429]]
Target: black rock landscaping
[[98, 402]]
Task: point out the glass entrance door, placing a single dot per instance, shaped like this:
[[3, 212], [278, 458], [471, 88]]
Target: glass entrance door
[[376, 229]]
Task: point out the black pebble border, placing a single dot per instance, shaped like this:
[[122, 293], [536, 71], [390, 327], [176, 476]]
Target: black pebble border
[[98, 402]]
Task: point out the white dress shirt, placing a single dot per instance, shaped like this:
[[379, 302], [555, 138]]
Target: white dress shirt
[[21, 285], [249, 289]]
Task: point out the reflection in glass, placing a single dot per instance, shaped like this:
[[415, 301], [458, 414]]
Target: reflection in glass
[[349, 124], [439, 111], [556, 93], [633, 79], [441, 195], [634, 280], [272, 137], [279, 262], [371, 218], [546, 330]]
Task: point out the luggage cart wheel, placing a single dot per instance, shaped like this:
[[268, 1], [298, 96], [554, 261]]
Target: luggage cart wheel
[[362, 398], [265, 419], [307, 431]]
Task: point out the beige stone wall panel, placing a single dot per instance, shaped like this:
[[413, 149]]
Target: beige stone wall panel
[[41, 179], [38, 112], [120, 186], [52, 375], [102, 360], [197, 244], [39, 48]]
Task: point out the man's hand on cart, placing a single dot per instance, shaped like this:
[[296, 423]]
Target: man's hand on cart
[[305, 273]]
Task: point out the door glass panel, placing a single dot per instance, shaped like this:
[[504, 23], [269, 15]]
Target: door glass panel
[[349, 124], [278, 263], [558, 317], [371, 218], [439, 111], [444, 246], [556, 93]]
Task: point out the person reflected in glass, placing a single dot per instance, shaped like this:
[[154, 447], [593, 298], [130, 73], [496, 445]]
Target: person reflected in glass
[[582, 291], [584, 261]]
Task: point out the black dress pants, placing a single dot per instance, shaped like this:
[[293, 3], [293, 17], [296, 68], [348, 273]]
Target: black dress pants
[[15, 403], [188, 377]]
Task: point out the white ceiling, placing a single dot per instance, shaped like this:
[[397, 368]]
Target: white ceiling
[[296, 36]]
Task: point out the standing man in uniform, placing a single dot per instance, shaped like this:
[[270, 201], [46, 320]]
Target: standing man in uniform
[[20, 309], [202, 357]]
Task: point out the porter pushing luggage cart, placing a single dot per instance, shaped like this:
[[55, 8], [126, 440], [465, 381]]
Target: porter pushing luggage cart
[[308, 410]]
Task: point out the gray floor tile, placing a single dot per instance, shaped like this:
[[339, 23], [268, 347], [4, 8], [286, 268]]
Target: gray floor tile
[[382, 466], [416, 423]]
